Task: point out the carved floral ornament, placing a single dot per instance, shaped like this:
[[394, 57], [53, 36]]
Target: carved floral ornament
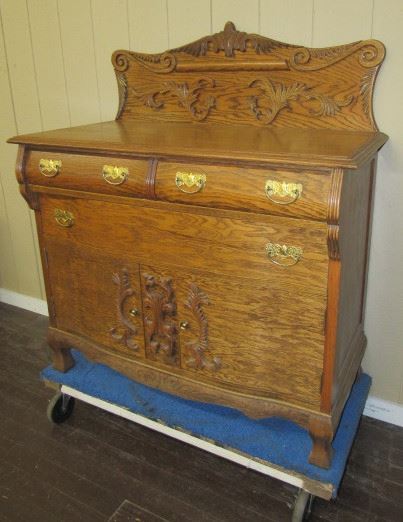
[[273, 98]]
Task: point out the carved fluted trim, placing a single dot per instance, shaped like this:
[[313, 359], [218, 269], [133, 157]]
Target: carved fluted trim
[[32, 198], [333, 214]]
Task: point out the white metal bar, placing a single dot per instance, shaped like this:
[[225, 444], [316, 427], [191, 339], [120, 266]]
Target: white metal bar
[[311, 486]]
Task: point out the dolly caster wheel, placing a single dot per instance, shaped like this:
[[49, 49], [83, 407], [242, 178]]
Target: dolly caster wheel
[[60, 408], [302, 507]]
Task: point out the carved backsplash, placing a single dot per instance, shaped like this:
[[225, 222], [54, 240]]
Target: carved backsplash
[[236, 77]]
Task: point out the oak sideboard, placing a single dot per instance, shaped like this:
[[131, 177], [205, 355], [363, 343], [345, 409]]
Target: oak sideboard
[[212, 241]]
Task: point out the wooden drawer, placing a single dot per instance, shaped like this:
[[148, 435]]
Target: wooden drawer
[[282, 192], [105, 174], [218, 242]]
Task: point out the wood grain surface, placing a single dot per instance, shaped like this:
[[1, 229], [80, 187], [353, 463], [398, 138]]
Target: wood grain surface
[[224, 245], [213, 142], [244, 189], [84, 172], [316, 88]]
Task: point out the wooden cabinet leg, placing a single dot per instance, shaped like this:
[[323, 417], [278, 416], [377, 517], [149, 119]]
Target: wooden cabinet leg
[[322, 435], [61, 355]]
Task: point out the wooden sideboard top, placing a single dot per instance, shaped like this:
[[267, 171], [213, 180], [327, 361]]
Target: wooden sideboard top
[[214, 142]]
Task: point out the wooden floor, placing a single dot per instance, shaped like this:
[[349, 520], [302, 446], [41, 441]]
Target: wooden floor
[[98, 467]]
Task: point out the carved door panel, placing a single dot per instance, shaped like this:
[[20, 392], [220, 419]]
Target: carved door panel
[[252, 335], [96, 296], [159, 316]]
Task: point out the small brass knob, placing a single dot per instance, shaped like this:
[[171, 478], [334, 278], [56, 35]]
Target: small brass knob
[[184, 325], [134, 312]]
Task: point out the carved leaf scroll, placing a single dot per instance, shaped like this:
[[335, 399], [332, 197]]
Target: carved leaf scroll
[[278, 95], [198, 348], [159, 308], [128, 333], [188, 96]]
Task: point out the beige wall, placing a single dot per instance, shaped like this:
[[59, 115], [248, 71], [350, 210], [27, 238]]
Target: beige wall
[[55, 71]]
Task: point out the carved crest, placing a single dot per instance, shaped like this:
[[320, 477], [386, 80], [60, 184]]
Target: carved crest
[[228, 41]]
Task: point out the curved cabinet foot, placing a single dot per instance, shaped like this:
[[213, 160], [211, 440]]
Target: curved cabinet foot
[[61, 357], [322, 435]]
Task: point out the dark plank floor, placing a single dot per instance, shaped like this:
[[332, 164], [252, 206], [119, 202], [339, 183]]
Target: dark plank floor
[[98, 467]]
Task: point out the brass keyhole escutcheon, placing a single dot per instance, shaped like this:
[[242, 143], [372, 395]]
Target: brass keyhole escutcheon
[[64, 218], [184, 325], [134, 312]]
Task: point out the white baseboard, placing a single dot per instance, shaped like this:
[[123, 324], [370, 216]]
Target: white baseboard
[[24, 301], [379, 409], [385, 411]]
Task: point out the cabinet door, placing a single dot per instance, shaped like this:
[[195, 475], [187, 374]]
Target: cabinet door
[[96, 296], [261, 337]]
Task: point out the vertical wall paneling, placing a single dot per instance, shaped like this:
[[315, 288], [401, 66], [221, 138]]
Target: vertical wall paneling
[[148, 25], [23, 117], [111, 32], [288, 21], [79, 60], [341, 22], [245, 15], [384, 325], [8, 269], [188, 21], [48, 61]]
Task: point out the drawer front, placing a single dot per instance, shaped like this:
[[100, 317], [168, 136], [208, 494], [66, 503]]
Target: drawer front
[[302, 194], [266, 246], [104, 174]]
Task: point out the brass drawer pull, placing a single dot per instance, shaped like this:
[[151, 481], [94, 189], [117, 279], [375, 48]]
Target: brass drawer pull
[[49, 167], [282, 193], [283, 255], [114, 175], [189, 180], [64, 218]]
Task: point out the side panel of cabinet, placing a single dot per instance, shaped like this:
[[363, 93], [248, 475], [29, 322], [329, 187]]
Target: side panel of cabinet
[[96, 296]]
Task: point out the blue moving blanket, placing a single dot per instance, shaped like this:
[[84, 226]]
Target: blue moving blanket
[[274, 440]]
